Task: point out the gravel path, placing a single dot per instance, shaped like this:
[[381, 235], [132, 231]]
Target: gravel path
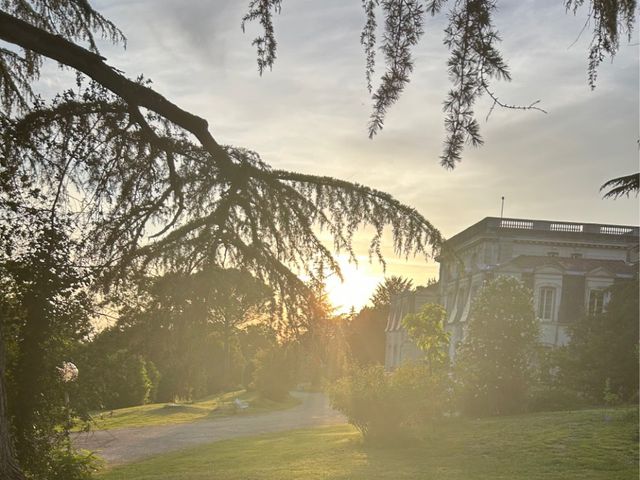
[[130, 444]]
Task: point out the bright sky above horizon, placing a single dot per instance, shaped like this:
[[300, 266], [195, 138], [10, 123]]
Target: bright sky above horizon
[[310, 113]]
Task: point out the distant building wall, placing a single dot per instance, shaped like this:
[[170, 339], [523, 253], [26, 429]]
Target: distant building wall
[[567, 265]]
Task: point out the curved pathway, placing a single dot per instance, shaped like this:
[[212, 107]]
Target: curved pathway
[[130, 444]]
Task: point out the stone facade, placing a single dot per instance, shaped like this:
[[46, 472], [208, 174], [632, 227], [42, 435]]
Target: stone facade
[[567, 265]]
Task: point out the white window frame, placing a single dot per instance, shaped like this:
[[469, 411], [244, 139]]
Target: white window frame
[[603, 301], [545, 305]]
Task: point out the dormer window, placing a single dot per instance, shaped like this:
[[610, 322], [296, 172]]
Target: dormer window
[[576, 255], [553, 254]]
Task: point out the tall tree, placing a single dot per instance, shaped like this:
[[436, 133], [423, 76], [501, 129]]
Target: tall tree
[[229, 299], [391, 286], [366, 329], [45, 313], [148, 184], [187, 324]]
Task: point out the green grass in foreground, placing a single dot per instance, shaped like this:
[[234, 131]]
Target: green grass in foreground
[[560, 445], [166, 414]]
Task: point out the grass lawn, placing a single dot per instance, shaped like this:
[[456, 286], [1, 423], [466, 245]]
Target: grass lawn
[[165, 414], [561, 445]]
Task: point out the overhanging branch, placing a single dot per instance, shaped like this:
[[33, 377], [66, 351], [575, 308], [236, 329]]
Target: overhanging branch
[[25, 35]]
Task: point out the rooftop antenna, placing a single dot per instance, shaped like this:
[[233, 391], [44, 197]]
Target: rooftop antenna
[[502, 209]]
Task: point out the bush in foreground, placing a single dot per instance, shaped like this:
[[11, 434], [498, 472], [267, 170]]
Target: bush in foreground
[[388, 406], [495, 365]]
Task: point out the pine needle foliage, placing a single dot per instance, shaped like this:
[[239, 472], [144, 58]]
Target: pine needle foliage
[[74, 20], [151, 187], [148, 198], [147, 186], [474, 62], [262, 11], [621, 186], [393, 285]]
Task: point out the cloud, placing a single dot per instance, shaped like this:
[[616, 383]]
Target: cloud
[[310, 113]]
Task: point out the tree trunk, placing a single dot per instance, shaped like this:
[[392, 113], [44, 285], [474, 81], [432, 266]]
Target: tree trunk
[[226, 362], [9, 468]]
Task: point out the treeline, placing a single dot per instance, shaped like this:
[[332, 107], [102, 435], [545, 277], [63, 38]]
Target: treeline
[[183, 337]]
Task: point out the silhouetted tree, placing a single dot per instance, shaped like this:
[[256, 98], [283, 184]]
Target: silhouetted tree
[[366, 335], [621, 186], [323, 348], [366, 329], [231, 298], [157, 190], [187, 324], [45, 312], [392, 285]]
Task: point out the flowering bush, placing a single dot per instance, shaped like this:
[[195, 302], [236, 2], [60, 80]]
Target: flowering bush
[[495, 364], [68, 372]]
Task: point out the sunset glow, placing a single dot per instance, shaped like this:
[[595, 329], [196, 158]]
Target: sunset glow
[[358, 285]]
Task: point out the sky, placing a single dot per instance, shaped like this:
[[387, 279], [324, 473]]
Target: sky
[[309, 114]]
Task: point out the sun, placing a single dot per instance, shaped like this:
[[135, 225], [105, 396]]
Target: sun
[[359, 283]]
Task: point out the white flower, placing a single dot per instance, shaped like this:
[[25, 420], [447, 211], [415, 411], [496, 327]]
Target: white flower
[[68, 372]]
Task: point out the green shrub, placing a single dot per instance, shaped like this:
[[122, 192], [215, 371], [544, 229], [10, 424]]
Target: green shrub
[[272, 374], [552, 398], [69, 464], [126, 381], [495, 364], [388, 406], [604, 349]]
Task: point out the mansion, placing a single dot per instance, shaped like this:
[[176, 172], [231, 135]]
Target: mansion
[[568, 266]]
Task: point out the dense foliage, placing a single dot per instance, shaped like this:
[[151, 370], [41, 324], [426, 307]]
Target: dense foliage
[[116, 378], [365, 330], [495, 363], [426, 329], [273, 373], [365, 335], [388, 406], [45, 313], [603, 352]]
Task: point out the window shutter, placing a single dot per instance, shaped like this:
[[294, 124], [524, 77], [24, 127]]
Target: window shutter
[[572, 301]]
